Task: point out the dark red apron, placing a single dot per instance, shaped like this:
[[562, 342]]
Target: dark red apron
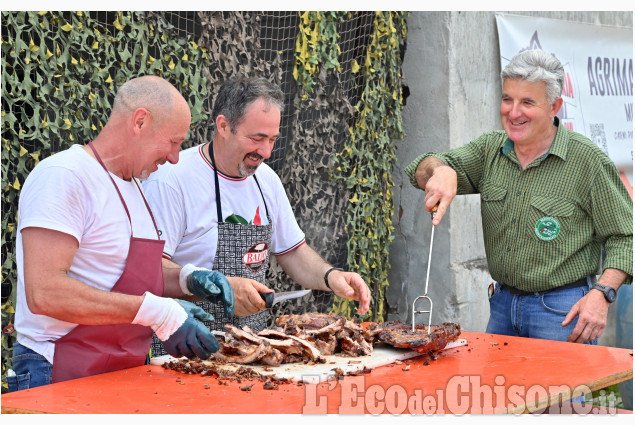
[[91, 349]]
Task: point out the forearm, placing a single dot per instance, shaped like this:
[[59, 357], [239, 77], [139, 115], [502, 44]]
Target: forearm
[[80, 303], [425, 170], [305, 266], [613, 278], [171, 286]]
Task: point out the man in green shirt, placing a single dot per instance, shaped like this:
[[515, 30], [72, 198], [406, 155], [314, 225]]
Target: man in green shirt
[[550, 200]]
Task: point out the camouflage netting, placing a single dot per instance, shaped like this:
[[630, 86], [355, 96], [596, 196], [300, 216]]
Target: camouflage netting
[[340, 73]]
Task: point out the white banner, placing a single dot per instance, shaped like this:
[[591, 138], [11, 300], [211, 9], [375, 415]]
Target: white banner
[[598, 86]]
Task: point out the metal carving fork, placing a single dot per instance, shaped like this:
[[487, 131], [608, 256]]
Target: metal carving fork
[[425, 294]]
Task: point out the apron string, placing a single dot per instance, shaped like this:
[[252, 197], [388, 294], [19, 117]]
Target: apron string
[[90, 144]]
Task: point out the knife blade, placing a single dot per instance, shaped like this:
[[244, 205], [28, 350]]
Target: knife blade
[[272, 298]]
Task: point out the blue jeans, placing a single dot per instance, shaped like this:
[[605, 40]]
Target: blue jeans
[[31, 369], [534, 316]]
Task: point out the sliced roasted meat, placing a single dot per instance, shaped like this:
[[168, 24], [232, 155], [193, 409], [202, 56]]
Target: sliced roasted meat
[[273, 358], [241, 353], [309, 349], [401, 335], [326, 343], [309, 320], [330, 329]]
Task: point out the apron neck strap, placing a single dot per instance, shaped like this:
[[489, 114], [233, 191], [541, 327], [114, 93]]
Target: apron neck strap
[[90, 144]]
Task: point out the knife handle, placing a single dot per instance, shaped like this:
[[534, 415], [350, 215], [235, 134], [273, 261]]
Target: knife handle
[[268, 298]]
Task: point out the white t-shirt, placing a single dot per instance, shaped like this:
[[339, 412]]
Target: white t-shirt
[[183, 201], [70, 192]]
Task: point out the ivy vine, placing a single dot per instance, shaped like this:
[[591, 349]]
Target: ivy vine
[[366, 161]]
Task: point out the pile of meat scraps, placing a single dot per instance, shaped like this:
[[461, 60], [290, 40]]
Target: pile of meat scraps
[[311, 336], [296, 338]]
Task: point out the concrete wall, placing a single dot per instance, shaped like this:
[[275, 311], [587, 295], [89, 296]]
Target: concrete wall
[[452, 68]]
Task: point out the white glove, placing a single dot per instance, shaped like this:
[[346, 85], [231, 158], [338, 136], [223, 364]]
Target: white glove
[[163, 315], [184, 273]]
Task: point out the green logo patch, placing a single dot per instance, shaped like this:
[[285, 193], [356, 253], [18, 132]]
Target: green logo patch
[[547, 228]]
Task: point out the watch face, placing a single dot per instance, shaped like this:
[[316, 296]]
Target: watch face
[[610, 295]]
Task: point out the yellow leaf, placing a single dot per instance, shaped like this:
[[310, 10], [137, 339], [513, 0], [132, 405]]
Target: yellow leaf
[[355, 67], [68, 123], [150, 60], [33, 47], [16, 184], [194, 45], [354, 199], [93, 127], [35, 156], [185, 57], [23, 151], [96, 31], [27, 61], [8, 307], [109, 79], [48, 53], [74, 61], [44, 124], [92, 96], [10, 226], [82, 61], [95, 45], [117, 24], [71, 137], [42, 13], [171, 65], [67, 27]]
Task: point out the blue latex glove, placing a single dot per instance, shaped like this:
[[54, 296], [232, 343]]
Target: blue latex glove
[[192, 338], [208, 285]]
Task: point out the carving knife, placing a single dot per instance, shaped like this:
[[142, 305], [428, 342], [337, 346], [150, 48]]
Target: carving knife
[[272, 298]]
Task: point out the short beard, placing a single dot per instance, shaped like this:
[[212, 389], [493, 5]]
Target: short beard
[[246, 171], [144, 175]]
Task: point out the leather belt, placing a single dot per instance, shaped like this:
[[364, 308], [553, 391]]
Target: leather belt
[[515, 291]]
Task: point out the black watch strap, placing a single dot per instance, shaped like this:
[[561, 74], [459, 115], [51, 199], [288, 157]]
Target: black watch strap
[[609, 293], [326, 276]]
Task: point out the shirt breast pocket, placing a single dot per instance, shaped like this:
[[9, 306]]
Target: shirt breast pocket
[[550, 219], [492, 202]]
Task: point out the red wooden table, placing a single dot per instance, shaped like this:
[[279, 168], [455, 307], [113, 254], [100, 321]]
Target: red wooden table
[[492, 374]]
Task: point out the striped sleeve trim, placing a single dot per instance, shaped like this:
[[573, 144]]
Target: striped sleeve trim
[[294, 247], [167, 256]]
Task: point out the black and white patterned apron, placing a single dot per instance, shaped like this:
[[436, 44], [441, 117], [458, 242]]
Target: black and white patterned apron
[[243, 250]]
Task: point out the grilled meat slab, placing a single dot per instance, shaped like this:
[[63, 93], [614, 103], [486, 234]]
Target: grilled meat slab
[[401, 335]]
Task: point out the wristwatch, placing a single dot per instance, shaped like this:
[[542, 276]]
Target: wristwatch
[[609, 293]]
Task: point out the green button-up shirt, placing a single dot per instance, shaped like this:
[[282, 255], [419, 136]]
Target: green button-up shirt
[[544, 226]]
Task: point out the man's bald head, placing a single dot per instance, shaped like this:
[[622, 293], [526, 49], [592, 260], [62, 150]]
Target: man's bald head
[[153, 93]]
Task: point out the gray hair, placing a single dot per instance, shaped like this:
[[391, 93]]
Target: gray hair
[[150, 92], [235, 96], [537, 66]]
